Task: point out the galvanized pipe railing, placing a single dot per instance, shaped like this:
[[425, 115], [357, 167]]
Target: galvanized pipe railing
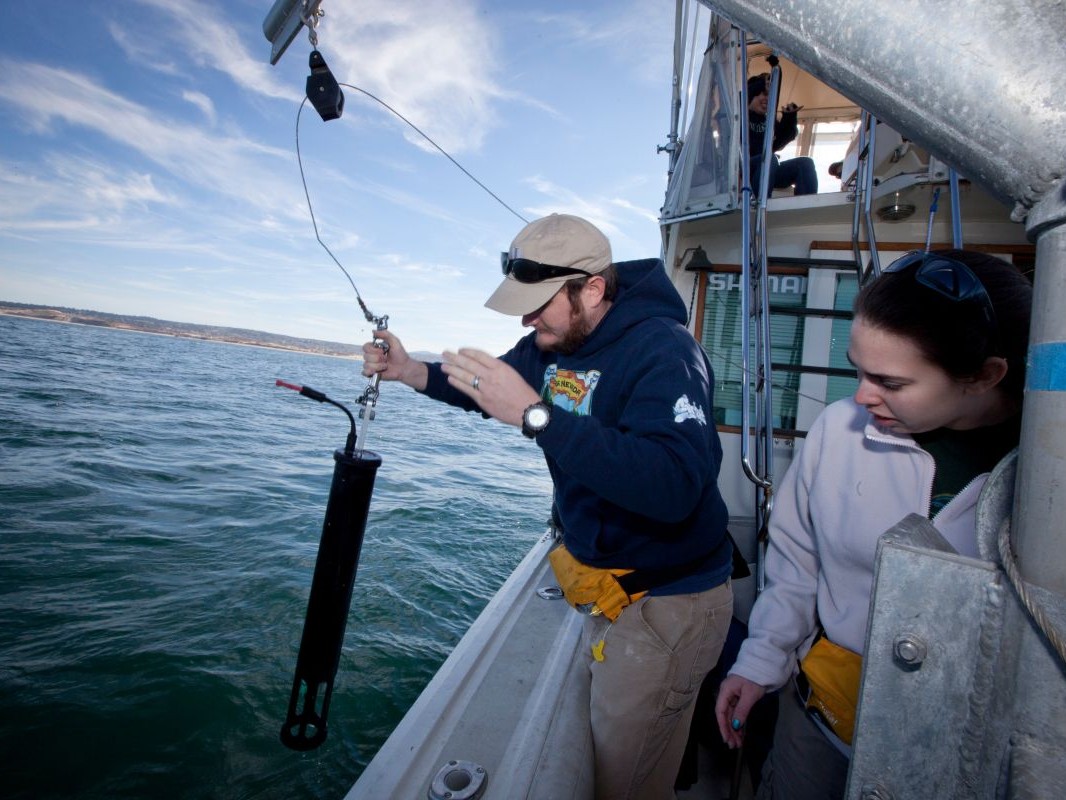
[[861, 161], [868, 195], [753, 249], [754, 284], [956, 210]]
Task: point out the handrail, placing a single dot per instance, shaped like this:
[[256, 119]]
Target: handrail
[[863, 195], [746, 251], [745, 260], [859, 190], [868, 193], [671, 147], [755, 280], [956, 211]]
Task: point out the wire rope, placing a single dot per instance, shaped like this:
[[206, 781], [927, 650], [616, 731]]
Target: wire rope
[[440, 149], [307, 193]]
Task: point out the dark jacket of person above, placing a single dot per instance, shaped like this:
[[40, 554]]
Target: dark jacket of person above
[[785, 131]]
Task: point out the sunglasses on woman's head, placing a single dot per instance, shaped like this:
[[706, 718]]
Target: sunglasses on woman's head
[[525, 270], [948, 278]]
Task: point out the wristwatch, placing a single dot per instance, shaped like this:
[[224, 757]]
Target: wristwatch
[[535, 419]]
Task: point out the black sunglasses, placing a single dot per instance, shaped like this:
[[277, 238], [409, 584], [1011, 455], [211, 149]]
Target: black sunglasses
[[525, 270], [948, 278]]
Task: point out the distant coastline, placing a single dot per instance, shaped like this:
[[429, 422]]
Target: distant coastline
[[182, 329]]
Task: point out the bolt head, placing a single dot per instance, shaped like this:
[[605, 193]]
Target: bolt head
[[910, 649]]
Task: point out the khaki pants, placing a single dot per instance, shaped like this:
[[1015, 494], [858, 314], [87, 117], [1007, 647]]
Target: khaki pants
[[656, 656]]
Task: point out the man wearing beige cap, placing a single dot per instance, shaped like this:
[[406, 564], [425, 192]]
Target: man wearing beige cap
[[617, 393]]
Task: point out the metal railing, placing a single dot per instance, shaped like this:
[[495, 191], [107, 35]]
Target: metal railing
[[755, 286]]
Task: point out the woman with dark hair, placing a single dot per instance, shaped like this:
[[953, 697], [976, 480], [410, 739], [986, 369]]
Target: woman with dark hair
[[939, 342]]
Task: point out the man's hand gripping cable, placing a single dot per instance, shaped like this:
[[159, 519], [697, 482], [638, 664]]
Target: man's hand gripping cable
[[368, 400]]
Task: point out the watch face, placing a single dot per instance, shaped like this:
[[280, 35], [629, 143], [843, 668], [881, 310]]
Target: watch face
[[537, 417]]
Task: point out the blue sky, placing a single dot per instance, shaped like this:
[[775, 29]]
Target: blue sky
[[148, 162]]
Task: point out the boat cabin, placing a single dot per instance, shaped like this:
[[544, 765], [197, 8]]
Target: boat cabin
[[807, 253]]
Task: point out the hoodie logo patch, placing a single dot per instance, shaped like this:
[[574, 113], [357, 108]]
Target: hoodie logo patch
[[686, 409], [569, 389]]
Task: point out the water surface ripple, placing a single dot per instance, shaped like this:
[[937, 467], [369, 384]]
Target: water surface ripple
[[160, 509]]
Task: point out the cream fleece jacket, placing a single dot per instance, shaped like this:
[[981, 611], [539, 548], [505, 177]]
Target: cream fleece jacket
[[850, 483]]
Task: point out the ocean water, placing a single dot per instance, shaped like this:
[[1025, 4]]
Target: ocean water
[[161, 503]]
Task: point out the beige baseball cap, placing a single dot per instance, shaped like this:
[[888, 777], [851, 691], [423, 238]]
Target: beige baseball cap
[[558, 240]]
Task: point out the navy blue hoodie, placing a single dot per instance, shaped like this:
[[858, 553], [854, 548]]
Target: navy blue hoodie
[[631, 447]]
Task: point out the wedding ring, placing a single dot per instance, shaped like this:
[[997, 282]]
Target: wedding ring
[[476, 381]]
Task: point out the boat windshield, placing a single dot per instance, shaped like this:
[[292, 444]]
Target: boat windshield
[[703, 178]]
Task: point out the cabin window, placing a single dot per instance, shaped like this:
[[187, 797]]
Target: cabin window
[[829, 143], [839, 385], [825, 141], [808, 351]]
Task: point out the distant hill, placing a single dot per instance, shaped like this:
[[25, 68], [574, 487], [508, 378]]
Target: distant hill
[[183, 329]]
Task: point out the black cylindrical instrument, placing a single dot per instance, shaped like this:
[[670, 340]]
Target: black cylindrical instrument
[[330, 599]]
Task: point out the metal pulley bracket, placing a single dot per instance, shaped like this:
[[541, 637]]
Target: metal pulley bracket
[[284, 21]]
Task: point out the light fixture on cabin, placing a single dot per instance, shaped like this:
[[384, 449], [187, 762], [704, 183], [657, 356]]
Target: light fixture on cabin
[[699, 261], [895, 211]]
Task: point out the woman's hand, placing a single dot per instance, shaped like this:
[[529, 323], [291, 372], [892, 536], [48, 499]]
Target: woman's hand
[[736, 696]]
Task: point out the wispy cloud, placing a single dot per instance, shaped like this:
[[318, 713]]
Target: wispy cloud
[[601, 211], [564, 200], [431, 61], [202, 102], [633, 34], [646, 214], [47, 98], [43, 200], [205, 37]]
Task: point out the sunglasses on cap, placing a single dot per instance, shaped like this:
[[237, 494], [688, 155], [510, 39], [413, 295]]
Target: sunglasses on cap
[[948, 278], [525, 270]]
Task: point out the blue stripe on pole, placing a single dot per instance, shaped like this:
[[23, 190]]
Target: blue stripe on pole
[[1047, 367]]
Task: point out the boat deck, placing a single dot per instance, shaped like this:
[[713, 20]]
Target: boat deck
[[505, 703]]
